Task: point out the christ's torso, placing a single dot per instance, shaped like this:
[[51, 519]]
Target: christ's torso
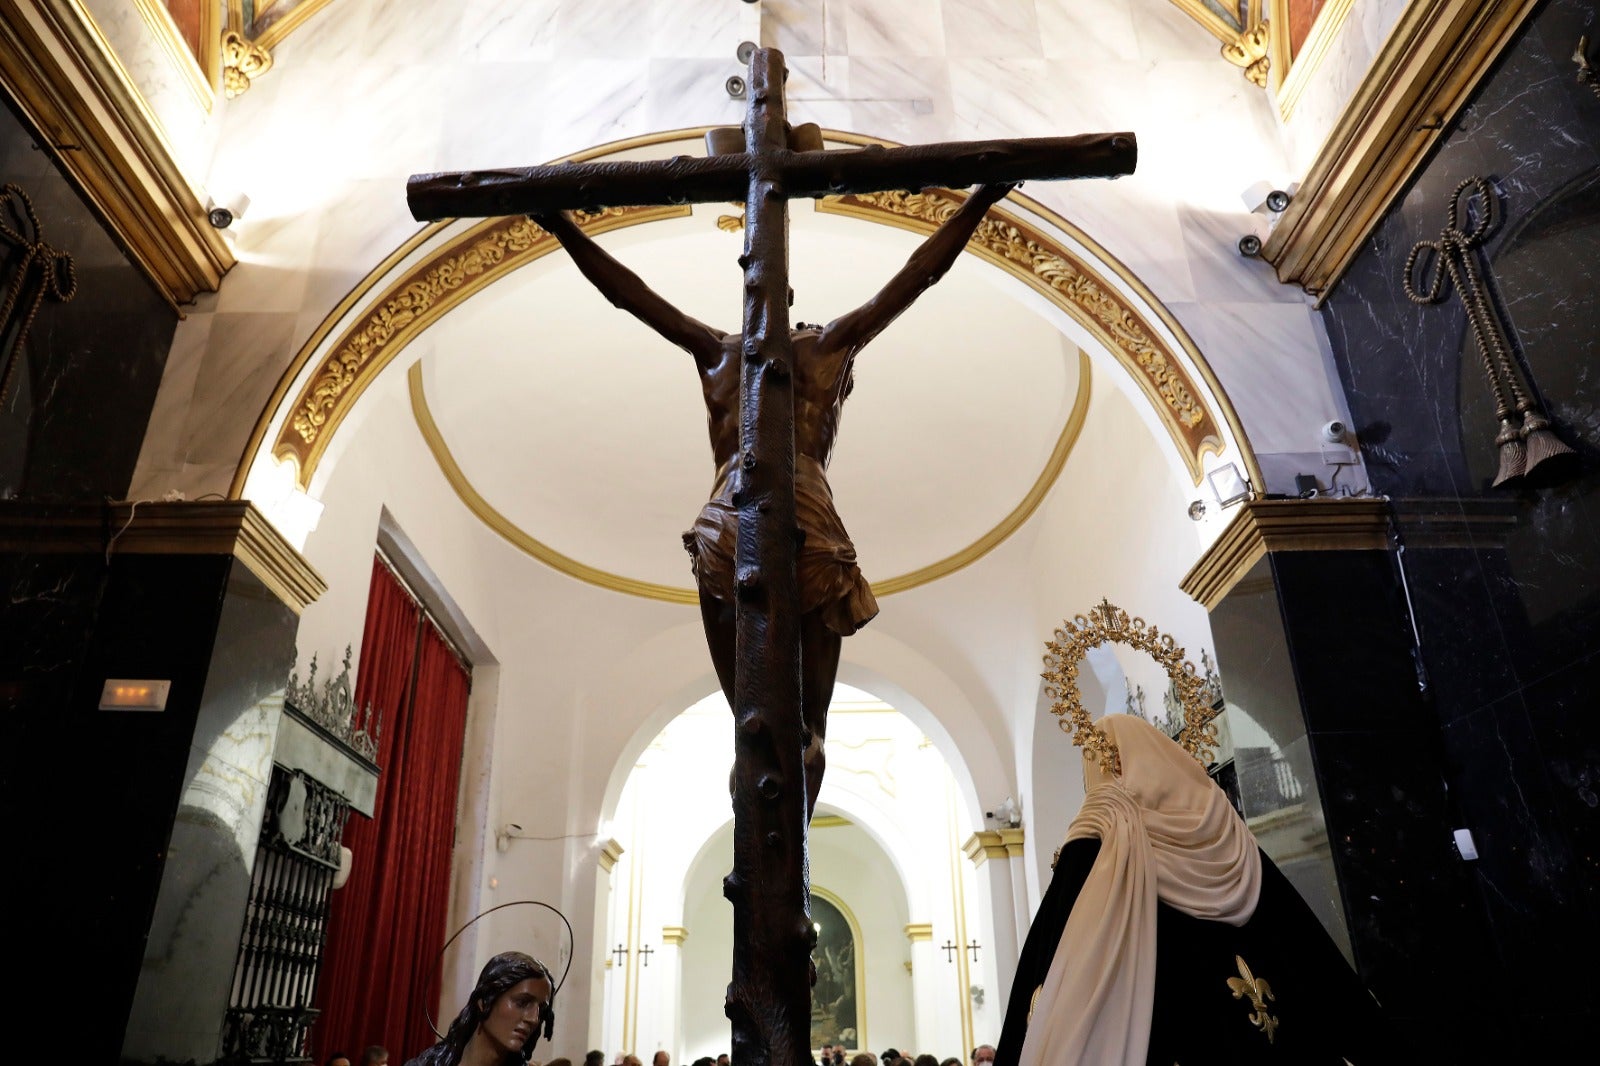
[[821, 382]]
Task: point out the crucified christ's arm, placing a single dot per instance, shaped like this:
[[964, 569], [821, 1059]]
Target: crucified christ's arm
[[930, 262], [626, 290]]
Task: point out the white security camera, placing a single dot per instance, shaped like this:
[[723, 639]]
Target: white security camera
[[1334, 432]]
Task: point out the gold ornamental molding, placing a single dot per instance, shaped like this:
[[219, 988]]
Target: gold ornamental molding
[[610, 852], [209, 527], [1071, 284], [70, 87], [830, 821], [463, 267], [279, 26], [984, 845], [1263, 526], [1013, 841], [243, 61], [674, 935], [1290, 74], [1437, 53], [919, 931], [1249, 52], [200, 74]]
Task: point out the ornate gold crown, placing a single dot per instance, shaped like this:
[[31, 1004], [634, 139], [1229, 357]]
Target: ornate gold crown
[[1107, 623]]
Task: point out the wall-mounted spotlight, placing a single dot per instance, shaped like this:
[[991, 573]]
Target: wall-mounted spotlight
[[735, 87], [745, 50], [1250, 246], [1228, 484], [502, 839]]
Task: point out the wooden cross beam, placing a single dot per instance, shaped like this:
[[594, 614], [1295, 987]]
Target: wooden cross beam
[[769, 998]]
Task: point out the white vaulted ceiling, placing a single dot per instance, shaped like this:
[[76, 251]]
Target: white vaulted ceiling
[[586, 431]]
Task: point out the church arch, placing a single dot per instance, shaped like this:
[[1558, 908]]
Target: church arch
[[445, 264]]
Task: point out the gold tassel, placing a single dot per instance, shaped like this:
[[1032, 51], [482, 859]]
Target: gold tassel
[[1542, 446], [1513, 453]]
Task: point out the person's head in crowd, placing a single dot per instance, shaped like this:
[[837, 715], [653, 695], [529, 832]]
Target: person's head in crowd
[[704, 1060], [888, 1057], [864, 1058], [594, 1058], [983, 1055], [631, 1059], [660, 1058], [951, 1061], [376, 1055], [338, 1058], [511, 1006], [563, 1061], [722, 1059], [926, 1060]]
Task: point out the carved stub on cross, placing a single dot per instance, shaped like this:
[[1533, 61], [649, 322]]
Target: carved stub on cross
[[769, 1001]]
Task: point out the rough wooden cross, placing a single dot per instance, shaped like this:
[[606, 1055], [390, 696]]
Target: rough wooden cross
[[769, 998]]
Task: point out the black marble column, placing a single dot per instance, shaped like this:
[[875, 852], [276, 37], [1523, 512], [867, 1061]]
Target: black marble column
[[120, 818], [1509, 625], [86, 379], [1315, 648]]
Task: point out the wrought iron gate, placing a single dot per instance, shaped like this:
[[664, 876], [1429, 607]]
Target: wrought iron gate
[[280, 950]]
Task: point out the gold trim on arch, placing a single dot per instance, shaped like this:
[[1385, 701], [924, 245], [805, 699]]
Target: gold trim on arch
[[520, 538], [861, 961], [452, 275], [509, 529], [428, 232], [1051, 270]]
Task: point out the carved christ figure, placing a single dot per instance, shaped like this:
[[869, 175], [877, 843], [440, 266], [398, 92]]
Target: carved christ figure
[[835, 600]]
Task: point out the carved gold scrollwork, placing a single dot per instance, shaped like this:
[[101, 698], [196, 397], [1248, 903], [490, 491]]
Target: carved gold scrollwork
[[1105, 624], [1249, 52], [243, 61], [497, 247], [1102, 309]]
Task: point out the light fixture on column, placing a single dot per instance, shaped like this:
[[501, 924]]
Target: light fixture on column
[[1228, 485], [503, 838]]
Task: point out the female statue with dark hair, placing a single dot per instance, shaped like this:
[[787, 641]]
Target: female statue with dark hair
[[512, 1004]]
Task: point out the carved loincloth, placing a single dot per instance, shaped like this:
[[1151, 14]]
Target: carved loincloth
[[830, 581]]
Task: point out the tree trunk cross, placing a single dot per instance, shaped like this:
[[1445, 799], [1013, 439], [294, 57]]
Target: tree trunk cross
[[769, 998]]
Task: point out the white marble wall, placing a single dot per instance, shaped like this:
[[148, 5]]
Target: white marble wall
[[367, 93]]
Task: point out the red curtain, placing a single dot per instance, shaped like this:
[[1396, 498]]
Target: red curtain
[[386, 926]]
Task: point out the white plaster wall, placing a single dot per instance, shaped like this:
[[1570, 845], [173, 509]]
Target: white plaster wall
[[1115, 529]]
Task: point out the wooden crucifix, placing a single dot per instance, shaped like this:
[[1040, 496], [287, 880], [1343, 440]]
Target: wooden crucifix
[[774, 637]]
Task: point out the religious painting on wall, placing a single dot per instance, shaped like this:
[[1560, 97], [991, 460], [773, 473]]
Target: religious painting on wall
[[189, 18], [833, 998]]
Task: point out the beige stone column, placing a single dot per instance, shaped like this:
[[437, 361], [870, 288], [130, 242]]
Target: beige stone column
[[996, 905]]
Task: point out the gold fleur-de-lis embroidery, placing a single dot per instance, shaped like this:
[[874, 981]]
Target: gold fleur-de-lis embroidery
[[1248, 986], [1033, 1001]]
